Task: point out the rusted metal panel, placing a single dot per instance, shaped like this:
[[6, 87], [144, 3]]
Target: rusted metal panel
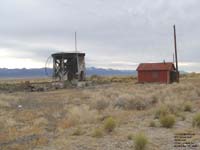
[[153, 76]]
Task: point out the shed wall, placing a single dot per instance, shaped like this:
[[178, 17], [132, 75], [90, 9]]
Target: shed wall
[[160, 76]]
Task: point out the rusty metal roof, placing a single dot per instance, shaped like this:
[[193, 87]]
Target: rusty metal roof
[[156, 66]]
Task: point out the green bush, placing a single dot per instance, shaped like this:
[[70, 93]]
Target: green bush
[[141, 141], [109, 124], [196, 120], [167, 121], [97, 133], [188, 106]]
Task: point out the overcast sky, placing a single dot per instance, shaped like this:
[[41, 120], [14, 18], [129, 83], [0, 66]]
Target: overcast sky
[[115, 34]]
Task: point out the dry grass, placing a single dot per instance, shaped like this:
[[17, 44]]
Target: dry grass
[[196, 121], [49, 120], [98, 133], [141, 141], [109, 124], [167, 121]]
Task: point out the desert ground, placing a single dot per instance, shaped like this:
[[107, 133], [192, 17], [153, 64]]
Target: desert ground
[[74, 118]]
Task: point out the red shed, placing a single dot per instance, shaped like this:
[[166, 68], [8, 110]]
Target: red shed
[[156, 72]]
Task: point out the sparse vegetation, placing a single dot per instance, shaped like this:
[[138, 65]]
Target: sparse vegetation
[[98, 133], [162, 111], [77, 132], [137, 103], [56, 119], [130, 137], [167, 121], [196, 120], [140, 141], [132, 102], [182, 116], [81, 114], [188, 106], [101, 105], [152, 124], [109, 124]]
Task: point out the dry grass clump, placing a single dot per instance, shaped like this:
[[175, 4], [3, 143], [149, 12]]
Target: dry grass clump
[[140, 141], [188, 106], [120, 103], [152, 124], [97, 133], [134, 102], [168, 107], [81, 114], [167, 121], [77, 132], [101, 105], [196, 120], [109, 124], [161, 111]]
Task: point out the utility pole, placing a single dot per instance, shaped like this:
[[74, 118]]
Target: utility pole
[[77, 58], [176, 57]]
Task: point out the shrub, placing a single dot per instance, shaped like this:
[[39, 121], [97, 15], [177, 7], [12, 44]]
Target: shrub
[[136, 103], [109, 124], [167, 121], [131, 102], [97, 133], [81, 114], [101, 105], [77, 132], [152, 124], [120, 103], [141, 141], [173, 108], [196, 120], [188, 107], [162, 111]]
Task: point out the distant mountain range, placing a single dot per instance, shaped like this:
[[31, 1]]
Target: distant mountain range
[[20, 73]]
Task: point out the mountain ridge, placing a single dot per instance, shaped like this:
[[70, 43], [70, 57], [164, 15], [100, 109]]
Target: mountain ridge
[[40, 72]]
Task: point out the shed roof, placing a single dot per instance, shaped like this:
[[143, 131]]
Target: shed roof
[[156, 66]]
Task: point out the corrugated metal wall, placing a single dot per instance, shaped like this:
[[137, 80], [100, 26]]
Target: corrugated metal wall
[[154, 76]]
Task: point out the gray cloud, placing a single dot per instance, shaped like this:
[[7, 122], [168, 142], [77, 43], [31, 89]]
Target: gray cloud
[[108, 31]]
